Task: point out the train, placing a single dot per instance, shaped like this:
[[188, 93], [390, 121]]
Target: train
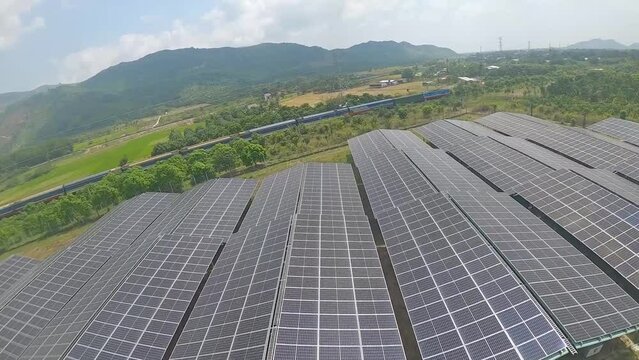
[[262, 130]]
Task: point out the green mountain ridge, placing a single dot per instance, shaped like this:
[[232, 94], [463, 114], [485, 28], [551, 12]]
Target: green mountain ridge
[[187, 76], [604, 44]]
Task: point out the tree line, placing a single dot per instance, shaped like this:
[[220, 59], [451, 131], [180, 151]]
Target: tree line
[[241, 118], [172, 175]]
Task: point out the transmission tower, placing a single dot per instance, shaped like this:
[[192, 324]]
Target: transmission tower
[[500, 45]]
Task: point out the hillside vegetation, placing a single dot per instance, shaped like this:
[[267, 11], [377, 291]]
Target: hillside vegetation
[[172, 78]]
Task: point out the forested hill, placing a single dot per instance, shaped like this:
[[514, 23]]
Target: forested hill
[[181, 77]]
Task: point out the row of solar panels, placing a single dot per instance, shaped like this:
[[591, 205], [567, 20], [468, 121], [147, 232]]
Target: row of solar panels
[[468, 256], [166, 276]]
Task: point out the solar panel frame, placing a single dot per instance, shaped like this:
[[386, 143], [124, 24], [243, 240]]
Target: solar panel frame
[[140, 319], [583, 300], [435, 253], [329, 188], [602, 221]]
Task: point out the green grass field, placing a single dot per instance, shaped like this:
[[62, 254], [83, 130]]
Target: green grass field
[[79, 166]]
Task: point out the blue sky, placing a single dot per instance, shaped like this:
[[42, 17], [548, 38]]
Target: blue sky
[[53, 41]]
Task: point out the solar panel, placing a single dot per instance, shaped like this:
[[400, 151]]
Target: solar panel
[[368, 144], [605, 223], [142, 316], [32, 308], [462, 300], [335, 302], [391, 179], [538, 153], [13, 268], [607, 138], [403, 139], [125, 227], [501, 165], [64, 329], [621, 129], [587, 149], [614, 183], [444, 134], [445, 172], [276, 197], [473, 127], [329, 188], [217, 211], [234, 314], [583, 300], [629, 169], [102, 223]]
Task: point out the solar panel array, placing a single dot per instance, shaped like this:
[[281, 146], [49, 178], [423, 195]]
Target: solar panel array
[[276, 197], [403, 139], [587, 149], [538, 153], [501, 165], [444, 134], [601, 220], [335, 302], [233, 315], [444, 172], [616, 184], [629, 169], [473, 127], [13, 268], [57, 337], [38, 302], [583, 300], [213, 214], [140, 319], [462, 299], [621, 129]]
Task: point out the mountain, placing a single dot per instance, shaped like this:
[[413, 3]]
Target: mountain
[[9, 98], [606, 44], [634, 46], [187, 76]]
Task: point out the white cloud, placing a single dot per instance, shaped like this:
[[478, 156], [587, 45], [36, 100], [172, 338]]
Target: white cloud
[[15, 21], [463, 25]]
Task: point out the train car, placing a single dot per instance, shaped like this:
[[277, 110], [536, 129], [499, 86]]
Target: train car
[[272, 127], [358, 109], [436, 94], [410, 99]]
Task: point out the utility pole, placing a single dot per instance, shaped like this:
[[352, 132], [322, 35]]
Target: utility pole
[[500, 44]]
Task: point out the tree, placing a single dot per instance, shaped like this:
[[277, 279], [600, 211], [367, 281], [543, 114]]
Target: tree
[[72, 208], [201, 171], [169, 177], [402, 113], [135, 181], [223, 158], [101, 195], [253, 154], [123, 161], [408, 74]]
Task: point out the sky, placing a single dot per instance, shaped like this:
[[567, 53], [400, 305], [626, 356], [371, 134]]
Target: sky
[[66, 41]]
